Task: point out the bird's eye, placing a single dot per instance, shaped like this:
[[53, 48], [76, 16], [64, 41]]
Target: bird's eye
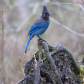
[[46, 13]]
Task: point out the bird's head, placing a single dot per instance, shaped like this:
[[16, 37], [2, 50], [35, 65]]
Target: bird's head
[[45, 13]]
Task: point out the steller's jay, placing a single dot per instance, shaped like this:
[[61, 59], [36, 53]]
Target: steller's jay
[[40, 26]]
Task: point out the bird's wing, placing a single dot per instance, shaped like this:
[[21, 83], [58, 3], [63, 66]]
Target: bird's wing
[[35, 28]]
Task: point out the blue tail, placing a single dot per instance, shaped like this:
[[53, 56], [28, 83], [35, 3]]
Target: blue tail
[[31, 36]]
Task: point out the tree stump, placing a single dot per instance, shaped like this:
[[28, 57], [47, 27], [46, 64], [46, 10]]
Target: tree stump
[[51, 65]]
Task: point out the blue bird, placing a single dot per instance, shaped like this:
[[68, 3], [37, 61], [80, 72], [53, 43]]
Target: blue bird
[[40, 26]]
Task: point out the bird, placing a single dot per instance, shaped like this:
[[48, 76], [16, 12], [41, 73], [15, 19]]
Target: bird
[[39, 26]]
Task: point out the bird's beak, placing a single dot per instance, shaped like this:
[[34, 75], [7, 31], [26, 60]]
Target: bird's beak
[[49, 14]]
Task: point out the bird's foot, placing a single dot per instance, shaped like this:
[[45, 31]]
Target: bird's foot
[[41, 38]]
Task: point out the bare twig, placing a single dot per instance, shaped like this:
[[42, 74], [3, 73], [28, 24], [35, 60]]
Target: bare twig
[[40, 52], [49, 58], [81, 7], [65, 7], [66, 27], [23, 79], [19, 56], [37, 72], [2, 49], [59, 4]]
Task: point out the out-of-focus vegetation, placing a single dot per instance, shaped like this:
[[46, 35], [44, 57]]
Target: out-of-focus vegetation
[[81, 75], [19, 16]]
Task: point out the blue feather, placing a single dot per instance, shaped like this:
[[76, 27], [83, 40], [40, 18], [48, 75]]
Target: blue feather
[[35, 28], [31, 36]]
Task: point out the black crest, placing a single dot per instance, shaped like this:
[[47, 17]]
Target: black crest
[[45, 13]]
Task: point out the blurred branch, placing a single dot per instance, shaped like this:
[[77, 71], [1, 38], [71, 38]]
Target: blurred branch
[[66, 27], [68, 8], [8, 4], [19, 58], [81, 7], [2, 50], [24, 22], [28, 18]]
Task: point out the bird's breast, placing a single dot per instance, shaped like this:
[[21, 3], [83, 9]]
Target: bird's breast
[[42, 30]]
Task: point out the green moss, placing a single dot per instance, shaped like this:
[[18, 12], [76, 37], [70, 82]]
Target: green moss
[[44, 59], [73, 75], [81, 75], [44, 55], [66, 50], [54, 48]]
